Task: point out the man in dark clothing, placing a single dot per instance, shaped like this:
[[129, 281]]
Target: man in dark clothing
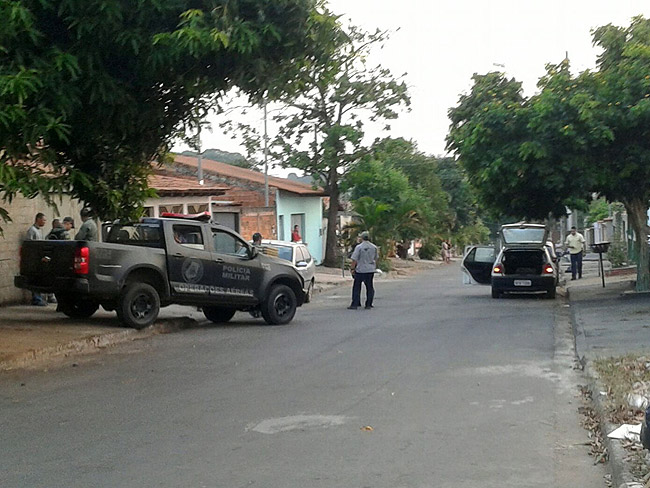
[[363, 267], [57, 232]]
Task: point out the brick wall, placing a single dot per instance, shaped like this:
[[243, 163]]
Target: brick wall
[[22, 211], [257, 219]]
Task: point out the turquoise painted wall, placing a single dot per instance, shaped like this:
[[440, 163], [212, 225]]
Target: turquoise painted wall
[[288, 204]]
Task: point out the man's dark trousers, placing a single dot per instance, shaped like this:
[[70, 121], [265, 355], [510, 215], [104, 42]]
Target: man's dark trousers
[[576, 265], [365, 278]]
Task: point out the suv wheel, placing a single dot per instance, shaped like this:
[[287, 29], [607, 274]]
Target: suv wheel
[[280, 305], [218, 315], [76, 308], [139, 305]]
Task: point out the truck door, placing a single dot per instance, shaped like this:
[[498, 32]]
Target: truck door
[[188, 260], [237, 278]]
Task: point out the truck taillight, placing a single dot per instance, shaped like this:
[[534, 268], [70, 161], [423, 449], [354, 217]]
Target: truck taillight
[[81, 260], [548, 269], [498, 269]]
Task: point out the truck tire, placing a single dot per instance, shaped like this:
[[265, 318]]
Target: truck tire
[[218, 315], [280, 305], [76, 308], [139, 305]]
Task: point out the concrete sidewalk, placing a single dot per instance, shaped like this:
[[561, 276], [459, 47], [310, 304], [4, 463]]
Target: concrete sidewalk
[[31, 336]]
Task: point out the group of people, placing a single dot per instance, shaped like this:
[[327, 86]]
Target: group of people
[[61, 230]]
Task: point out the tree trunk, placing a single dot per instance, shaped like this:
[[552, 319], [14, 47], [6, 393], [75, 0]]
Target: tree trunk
[[331, 259], [637, 211]]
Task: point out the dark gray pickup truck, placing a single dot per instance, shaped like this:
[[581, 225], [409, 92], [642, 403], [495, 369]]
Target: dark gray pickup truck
[[143, 266]]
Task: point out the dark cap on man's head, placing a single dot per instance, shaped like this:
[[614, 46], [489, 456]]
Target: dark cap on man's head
[[85, 212]]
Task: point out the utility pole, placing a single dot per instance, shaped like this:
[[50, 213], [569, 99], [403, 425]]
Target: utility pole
[[266, 161], [198, 144]]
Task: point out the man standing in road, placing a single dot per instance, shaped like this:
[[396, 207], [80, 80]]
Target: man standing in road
[[575, 242], [35, 233], [88, 230], [363, 267]]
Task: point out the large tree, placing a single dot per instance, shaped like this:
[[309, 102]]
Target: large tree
[[579, 134], [92, 90], [321, 131]]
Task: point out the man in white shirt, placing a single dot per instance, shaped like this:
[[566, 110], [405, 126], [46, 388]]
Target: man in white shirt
[[363, 267], [35, 233], [575, 242]]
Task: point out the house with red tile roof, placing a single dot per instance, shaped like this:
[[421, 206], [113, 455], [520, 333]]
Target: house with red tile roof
[[291, 203]]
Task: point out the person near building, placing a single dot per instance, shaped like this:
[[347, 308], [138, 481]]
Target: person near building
[[575, 243], [57, 232], [295, 235], [68, 226], [257, 239], [35, 233], [88, 230], [363, 267]]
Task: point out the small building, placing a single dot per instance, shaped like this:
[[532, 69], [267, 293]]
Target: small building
[[290, 202]]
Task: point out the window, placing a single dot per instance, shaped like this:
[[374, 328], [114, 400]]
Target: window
[[170, 209], [225, 243], [188, 236], [146, 235], [300, 255], [481, 255], [195, 208], [306, 255]]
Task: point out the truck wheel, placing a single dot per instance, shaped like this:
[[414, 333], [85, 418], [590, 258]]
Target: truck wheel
[[310, 292], [218, 315], [76, 308], [139, 305], [279, 306]]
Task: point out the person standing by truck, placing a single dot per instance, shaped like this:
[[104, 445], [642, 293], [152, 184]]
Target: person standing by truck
[[35, 233], [88, 230]]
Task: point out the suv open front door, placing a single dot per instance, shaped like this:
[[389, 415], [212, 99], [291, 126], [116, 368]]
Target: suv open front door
[[476, 266]]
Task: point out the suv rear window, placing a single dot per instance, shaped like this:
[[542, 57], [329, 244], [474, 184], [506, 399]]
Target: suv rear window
[[523, 235]]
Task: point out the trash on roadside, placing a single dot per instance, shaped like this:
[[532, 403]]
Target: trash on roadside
[[367, 428], [637, 401], [626, 431]]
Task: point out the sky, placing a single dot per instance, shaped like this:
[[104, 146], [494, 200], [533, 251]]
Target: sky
[[440, 44]]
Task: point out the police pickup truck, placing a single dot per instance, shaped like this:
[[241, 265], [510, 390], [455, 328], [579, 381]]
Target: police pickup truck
[[143, 266]]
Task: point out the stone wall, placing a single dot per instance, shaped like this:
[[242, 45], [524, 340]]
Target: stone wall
[[22, 212]]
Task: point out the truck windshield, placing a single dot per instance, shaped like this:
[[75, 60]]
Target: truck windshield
[[138, 234]]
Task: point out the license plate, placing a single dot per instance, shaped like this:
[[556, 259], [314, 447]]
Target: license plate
[[523, 283]]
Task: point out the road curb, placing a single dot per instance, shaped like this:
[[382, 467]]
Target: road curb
[[621, 475], [91, 344]]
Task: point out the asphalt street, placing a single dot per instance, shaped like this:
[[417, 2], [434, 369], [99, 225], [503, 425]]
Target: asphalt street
[[438, 386]]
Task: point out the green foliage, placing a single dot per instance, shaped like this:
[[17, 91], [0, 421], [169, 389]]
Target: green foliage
[[598, 210], [580, 134], [91, 91], [617, 253], [430, 249]]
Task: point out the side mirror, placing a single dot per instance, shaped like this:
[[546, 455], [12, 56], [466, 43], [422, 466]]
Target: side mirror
[[301, 264], [252, 252]]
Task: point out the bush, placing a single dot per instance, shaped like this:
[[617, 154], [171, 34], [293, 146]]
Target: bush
[[384, 265], [617, 253], [429, 250]]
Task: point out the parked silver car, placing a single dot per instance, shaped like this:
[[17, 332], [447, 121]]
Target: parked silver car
[[298, 255]]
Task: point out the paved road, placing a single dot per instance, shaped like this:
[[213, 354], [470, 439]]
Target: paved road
[[438, 386]]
